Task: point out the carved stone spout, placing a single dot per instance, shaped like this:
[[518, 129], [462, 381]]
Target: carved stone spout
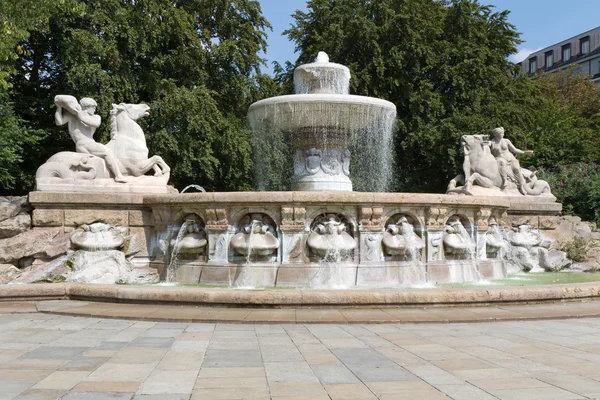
[[494, 241], [192, 244], [257, 237], [97, 237], [329, 239], [457, 241], [400, 239]]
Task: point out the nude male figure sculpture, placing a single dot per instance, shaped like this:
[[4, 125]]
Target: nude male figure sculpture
[[82, 124]]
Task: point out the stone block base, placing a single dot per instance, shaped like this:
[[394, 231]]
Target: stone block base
[[392, 274]]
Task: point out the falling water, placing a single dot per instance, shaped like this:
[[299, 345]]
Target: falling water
[[367, 129], [246, 278], [322, 115], [173, 265], [334, 270], [197, 187]]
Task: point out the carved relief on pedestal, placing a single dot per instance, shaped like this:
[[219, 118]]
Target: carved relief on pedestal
[[216, 219], [330, 162], [481, 219], [370, 218], [436, 217], [292, 218]]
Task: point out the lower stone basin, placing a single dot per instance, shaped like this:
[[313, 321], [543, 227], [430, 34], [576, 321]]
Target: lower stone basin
[[294, 264], [154, 219]]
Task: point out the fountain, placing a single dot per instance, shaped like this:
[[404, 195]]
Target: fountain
[[315, 147], [185, 250], [495, 243], [322, 122], [458, 244]]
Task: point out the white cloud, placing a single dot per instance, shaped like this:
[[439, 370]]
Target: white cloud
[[522, 54]]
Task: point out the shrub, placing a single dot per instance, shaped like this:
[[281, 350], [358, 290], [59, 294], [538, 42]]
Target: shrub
[[576, 249]]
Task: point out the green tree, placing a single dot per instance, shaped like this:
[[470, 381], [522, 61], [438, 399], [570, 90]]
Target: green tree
[[196, 63], [566, 124], [16, 139], [566, 133], [442, 63]]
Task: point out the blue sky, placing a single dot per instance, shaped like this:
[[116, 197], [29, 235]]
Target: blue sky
[[541, 23]]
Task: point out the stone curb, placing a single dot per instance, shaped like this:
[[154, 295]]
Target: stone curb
[[32, 292], [299, 298]]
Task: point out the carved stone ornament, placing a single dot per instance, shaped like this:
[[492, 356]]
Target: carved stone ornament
[[436, 217], [118, 166], [482, 217], [216, 218], [492, 169], [292, 218]]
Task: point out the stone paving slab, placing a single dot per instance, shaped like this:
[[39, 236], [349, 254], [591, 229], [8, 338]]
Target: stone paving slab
[[512, 360]]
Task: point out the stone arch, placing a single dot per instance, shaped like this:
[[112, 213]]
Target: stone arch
[[351, 221], [467, 222], [237, 216], [182, 214], [417, 221], [417, 215]]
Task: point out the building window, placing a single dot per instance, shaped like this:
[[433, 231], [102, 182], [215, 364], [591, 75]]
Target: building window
[[585, 45], [532, 65], [549, 59], [566, 52]]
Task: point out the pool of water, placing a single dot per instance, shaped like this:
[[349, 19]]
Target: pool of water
[[525, 279]]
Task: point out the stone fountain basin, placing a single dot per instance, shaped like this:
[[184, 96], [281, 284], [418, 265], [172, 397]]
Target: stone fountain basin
[[346, 112], [257, 244], [326, 244], [294, 213], [192, 245]]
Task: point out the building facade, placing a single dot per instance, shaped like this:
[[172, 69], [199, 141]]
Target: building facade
[[582, 50]]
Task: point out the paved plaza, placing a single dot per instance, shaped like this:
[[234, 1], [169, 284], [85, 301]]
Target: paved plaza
[[47, 356]]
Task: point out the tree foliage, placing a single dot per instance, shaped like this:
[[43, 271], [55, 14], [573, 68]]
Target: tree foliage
[[196, 63], [442, 63], [15, 140], [567, 121]]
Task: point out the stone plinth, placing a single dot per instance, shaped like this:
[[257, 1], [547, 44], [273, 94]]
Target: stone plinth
[[68, 211]]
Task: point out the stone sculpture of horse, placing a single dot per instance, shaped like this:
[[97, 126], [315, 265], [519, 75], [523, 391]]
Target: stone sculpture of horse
[[73, 171], [128, 143], [481, 168]]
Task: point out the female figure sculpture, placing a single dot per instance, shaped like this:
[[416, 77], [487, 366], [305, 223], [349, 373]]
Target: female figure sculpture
[[503, 150]]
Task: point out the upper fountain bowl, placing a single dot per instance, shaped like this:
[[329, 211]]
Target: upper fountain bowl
[[322, 77], [321, 99]]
